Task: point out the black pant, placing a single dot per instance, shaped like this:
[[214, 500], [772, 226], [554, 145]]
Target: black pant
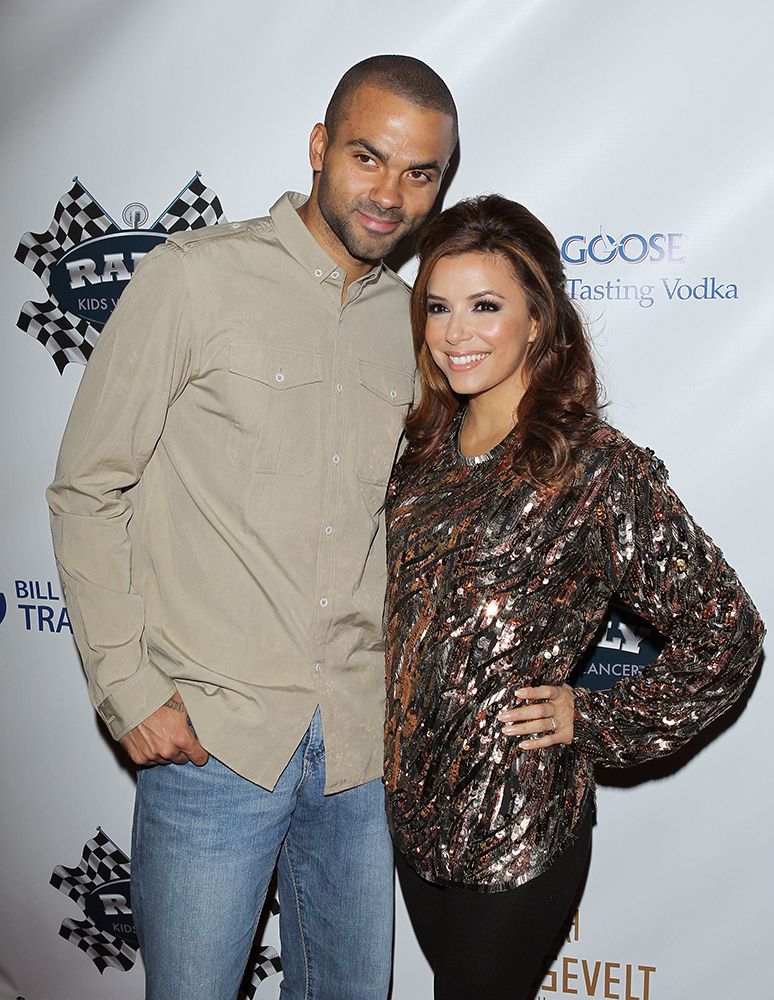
[[494, 944]]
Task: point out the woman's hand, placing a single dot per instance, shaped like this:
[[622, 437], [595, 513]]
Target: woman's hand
[[546, 710]]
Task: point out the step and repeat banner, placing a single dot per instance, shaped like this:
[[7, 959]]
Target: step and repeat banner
[[639, 133]]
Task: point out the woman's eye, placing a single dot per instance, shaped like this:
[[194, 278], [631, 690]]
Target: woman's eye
[[486, 305], [435, 307]]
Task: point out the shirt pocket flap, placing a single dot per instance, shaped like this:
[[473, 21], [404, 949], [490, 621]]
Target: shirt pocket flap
[[277, 367], [394, 387]]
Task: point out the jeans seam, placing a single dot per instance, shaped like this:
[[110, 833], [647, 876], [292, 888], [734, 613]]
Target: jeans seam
[[301, 924]]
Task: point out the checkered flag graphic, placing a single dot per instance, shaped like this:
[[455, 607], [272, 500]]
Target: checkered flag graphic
[[77, 217], [195, 206], [101, 862], [65, 336], [103, 949], [267, 964]]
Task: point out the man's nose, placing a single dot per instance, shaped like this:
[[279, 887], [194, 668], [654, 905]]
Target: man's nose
[[386, 192]]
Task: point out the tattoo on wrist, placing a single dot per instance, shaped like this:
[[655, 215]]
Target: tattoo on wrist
[[175, 703]]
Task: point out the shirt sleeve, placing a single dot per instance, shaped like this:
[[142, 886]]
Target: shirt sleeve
[[141, 363], [661, 564]]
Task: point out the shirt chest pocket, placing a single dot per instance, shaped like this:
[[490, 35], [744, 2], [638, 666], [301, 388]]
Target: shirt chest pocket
[[275, 407], [384, 395]]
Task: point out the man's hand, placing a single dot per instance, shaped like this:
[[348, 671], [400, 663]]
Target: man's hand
[[545, 716], [166, 737]]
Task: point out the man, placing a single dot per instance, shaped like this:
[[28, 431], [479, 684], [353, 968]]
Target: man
[[216, 516]]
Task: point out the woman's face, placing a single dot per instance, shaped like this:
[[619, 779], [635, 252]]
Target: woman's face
[[478, 326]]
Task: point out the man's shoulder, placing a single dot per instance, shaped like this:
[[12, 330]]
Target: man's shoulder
[[395, 280], [225, 235]]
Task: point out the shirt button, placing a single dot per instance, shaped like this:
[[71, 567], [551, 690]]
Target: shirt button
[[317, 668], [323, 602], [328, 529], [336, 459], [236, 225], [336, 274], [393, 393], [279, 377], [318, 273], [339, 387]]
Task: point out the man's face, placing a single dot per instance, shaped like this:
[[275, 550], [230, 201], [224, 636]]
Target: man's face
[[380, 173]]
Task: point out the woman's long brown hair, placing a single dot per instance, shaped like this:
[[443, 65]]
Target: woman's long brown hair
[[561, 383]]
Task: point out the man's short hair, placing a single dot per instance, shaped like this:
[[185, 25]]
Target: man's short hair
[[404, 76]]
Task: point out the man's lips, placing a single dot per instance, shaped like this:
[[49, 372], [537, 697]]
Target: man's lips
[[377, 225]]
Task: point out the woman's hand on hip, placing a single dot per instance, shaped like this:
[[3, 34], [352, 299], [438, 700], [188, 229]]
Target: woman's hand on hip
[[545, 716]]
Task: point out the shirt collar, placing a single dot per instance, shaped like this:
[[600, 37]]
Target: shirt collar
[[303, 246]]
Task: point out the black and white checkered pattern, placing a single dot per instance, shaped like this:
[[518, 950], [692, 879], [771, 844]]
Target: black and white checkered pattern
[[267, 964], [102, 861], [77, 217], [65, 336], [195, 206], [103, 949]]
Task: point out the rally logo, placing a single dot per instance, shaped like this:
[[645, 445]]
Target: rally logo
[[86, 259], [100, 886]]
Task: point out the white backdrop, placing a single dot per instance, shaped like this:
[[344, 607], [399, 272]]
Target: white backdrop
[[606, 119]]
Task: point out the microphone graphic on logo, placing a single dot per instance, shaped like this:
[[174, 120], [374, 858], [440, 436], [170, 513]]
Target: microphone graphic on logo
[[3, 607], [135, 215]]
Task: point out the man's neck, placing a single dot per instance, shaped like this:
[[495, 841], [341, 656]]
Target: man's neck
[[312, 218]]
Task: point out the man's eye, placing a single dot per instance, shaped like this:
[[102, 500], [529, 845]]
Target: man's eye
[[420, 175], [364, 158]]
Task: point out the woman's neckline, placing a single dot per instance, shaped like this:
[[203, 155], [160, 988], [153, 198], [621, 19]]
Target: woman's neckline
[[487, 456]]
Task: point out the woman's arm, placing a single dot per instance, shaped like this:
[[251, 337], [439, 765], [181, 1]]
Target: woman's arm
[[661, 564]]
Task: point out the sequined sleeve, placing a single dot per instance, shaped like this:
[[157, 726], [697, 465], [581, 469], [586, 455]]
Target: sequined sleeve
[[660, 563]]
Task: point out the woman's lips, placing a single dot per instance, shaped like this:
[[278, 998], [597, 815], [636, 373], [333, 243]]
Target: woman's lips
[[465, 362]]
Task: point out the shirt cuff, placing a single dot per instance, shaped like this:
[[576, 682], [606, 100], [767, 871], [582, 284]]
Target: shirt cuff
[[586, 732], [135, 699]]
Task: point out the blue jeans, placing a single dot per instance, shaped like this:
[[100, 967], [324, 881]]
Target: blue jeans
[[205, 844]]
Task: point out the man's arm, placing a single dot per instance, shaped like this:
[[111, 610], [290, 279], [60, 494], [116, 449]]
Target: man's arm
[[165, 737], [142, 362]]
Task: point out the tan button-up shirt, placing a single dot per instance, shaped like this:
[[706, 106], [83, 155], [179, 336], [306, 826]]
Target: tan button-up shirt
[[217, 504]]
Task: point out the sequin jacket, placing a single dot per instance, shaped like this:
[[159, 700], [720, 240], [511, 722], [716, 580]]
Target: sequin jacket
[[494, 585]]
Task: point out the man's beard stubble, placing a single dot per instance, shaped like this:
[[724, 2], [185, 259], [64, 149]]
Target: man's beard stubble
[[343, 225]]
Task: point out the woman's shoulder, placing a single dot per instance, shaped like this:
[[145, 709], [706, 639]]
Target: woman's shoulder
[[606, 448]]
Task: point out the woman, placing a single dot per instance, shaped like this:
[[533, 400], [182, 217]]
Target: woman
[[514, 516]]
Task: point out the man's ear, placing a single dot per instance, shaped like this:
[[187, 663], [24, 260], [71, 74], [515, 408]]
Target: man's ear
[[318, 143]]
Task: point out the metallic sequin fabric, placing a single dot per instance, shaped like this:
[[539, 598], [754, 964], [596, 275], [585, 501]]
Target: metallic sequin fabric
[[494, 585]]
